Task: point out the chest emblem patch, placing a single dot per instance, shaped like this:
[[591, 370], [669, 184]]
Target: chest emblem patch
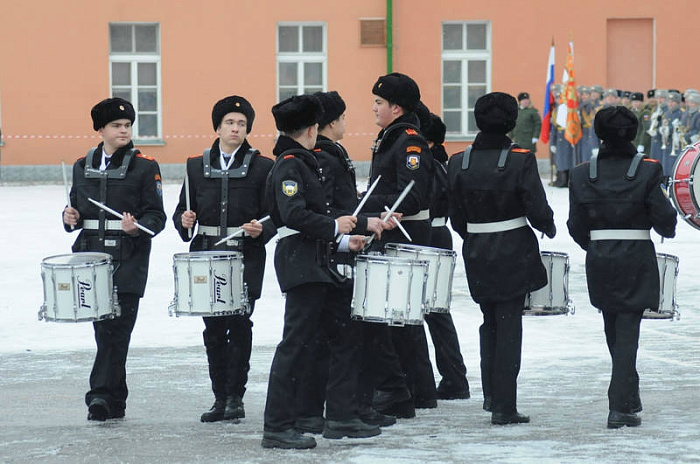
[[413, 162], [289, 188]]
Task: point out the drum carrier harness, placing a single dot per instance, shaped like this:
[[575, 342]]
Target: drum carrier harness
[[211, 172]]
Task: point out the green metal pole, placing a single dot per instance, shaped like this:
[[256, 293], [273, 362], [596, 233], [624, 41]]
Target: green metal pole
[[389, 36]]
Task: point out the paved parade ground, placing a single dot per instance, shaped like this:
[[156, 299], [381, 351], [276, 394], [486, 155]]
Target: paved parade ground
[[44, 369]]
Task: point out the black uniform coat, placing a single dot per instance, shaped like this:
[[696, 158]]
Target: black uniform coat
[[440, 237], [622, 275], [140, 194], [246, 201], [296, 199], [401, 154], [503, 265]]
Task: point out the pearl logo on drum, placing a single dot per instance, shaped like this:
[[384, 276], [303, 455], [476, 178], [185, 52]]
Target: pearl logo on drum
[[84, 287], [219, 283]]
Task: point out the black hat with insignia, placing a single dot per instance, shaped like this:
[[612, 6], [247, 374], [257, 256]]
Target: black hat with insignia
[[637, 96], [233, 104], [423, 114], [496, 112], [111, 109], [651, 93], [615, 123], [522, 96], [399, 89], [333, 107], [297, 112]]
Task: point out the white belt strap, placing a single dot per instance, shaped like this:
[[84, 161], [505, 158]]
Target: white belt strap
[[285, 231], [214, 231], [94, 224], [498, 226], [420, 216], [620, 234], [439, 222]]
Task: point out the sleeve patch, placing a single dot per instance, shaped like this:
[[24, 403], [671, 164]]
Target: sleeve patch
[[413, 149], [413, 162], [520, 150], [157, 177], [411, 132], [289, 188], [149, 158], [651, 160], [288, 157]]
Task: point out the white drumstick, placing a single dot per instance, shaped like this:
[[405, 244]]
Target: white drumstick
[[362, 203], [393, 208], [239, 232], [65, 185], [119, 215], [187, 200], [398, 224]]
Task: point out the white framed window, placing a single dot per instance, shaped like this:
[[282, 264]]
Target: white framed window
[[301, 59], [466, 74], [134, 61]]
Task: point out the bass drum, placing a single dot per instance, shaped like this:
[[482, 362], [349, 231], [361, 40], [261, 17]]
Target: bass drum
[[685, 192]]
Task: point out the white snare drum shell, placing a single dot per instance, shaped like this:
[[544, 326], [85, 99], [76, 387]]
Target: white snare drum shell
[[78, 287], [668, 274], [553, 298]]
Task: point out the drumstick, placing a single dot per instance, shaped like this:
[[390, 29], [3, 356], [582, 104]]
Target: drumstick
[[396, 204], [120, 216], [187, 200], [65, 185], [362, 203], [239, 232], [398, 224]]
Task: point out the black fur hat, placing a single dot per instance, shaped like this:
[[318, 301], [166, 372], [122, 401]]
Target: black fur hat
[[496, 112], [111, 109], [398, 88], [436, 130], [423, 114], [333, 107], [297, 112], [233, 104], [615, 123]]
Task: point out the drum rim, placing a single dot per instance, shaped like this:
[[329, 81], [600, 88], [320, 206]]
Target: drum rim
[[391, 259], [207, 254], [694, 202], [427, 249], [101, 258]]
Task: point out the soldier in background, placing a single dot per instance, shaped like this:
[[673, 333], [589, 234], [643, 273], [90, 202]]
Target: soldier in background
[[562, 150], [656, 122], [589, 141], [596, 95], [671, 120], [692, 125], [642, 114], [528, 125]]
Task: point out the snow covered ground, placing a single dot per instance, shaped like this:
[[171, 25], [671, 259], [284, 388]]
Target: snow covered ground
[[44, 368]]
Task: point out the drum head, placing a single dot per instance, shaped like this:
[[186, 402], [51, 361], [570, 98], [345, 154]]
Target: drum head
[[77, 259], [685, 192]]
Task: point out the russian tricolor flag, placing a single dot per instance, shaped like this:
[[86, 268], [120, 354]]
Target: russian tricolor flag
[[548, 98]]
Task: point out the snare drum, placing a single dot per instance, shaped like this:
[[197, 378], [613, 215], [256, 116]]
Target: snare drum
[[553, 298], [78, 288], [209, 283], [441, 268], [668, 272], [389, 290], [685, 192]]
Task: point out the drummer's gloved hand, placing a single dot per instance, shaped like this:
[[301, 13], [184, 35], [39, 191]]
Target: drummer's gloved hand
[[551, 232]]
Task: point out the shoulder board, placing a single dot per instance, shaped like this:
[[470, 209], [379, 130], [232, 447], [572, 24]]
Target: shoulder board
[[80, 158], [288, 156], [411, 132], [520, 150], [317, 150], [195, 156], [651, 160], [141, 155]]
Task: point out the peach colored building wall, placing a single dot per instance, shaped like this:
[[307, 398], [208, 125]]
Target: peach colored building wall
[[54, 61]]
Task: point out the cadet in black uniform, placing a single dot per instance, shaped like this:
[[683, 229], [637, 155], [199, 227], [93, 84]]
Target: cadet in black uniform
[[120, 177], [227, 192], [614, 201], [400, 155], [307, 229], [495, 190], [448, 357], [340, 187]]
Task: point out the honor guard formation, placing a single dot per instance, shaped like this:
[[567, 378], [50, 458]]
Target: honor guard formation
[[362, 271]]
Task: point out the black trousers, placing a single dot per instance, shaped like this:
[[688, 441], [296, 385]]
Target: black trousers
[[108, 376], [228, 341], [310, 308], [501, 337], [448, 356], [622, 337]]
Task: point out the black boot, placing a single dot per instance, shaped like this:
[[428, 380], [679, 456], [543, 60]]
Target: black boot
[[216, 413], [288, 439], [371, 416], [98, 410], [398, 403], [234, 408]]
